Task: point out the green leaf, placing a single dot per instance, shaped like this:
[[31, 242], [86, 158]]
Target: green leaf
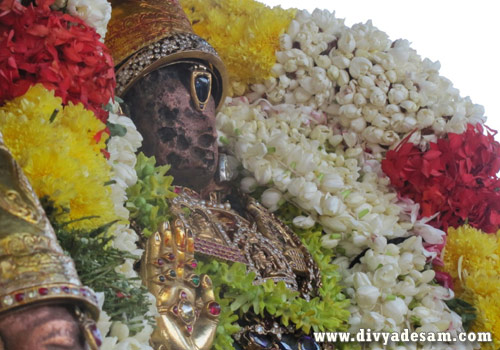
[[116, 129]]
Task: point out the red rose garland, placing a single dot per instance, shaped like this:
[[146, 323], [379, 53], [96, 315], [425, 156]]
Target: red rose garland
[[38, 45], [456, 177]]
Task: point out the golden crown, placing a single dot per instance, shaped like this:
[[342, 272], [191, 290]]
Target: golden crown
[[33, 267], [145, 35]]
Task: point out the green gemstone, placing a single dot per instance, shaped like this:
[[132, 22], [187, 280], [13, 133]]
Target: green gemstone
[[172, 273], [196, 280]]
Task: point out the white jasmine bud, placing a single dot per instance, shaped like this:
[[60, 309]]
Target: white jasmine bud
[[350, 111], [334, 140], [270, 83], [343, 78], [425, 118], [301, 95], [290, 66], [397, 94], [389, 138], [258, 88], [390, 109], [277, 70], [381, 122], [359, 99], [333, 224], [367, 296], [377, 69], [350, 138], [285, 42], [358, 124], [359, 66], [293, 29], [345, 95], [332, 182], [391, 76], [395, 309], [332, 205], [323, 61], [303, 222], [333, 72], [373, 134], [361, 279], [427, 276], [377, 97], [248, 184], [409, 106], [369, 113], [366, 82], [347, 43], [341, 62], [271, 198]]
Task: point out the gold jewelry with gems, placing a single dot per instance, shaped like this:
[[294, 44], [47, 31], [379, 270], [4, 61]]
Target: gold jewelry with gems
[[186, 303], [33, 267], [201, 86]]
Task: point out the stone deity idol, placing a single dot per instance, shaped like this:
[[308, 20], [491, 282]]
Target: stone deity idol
[[173, 82]]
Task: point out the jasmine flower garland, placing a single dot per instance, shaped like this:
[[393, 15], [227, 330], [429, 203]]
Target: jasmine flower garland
[[370, 90], [314, 135]]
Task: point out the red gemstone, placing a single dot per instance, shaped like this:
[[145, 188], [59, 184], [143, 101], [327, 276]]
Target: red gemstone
[[214, 308], [189, 328], [160, 262], [65, 289], [194, 264], [43, 291], [183, 295], [175, 310], [19, 297], [171, 256], [84, 292]]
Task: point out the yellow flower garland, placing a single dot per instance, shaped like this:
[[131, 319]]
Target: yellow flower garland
[[59, 154], [244, 33], [472, 258]]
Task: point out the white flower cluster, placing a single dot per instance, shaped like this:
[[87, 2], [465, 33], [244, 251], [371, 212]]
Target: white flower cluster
[[307, 164], [122, 159], [96, 13], [314, 135], [370, 89], [390, 292]]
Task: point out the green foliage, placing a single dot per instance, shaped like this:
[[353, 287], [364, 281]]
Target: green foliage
[[126, 299], [147, 199], [465, 310], [237, 294]]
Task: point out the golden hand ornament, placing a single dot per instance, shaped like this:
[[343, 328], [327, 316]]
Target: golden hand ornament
[[188, 312]]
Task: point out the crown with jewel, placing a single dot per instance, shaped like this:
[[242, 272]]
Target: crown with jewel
[[145, 35]]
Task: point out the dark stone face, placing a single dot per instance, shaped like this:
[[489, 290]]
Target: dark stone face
[[174, 130]]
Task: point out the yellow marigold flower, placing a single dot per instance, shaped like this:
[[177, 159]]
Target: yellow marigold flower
[[472, 258], [244, 33], [60, 157]]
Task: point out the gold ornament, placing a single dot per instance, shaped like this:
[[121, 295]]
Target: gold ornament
[[188, 311], [259, 240], [33, 267]]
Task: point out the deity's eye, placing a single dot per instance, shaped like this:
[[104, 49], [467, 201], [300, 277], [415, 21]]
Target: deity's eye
[[201, 86]]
